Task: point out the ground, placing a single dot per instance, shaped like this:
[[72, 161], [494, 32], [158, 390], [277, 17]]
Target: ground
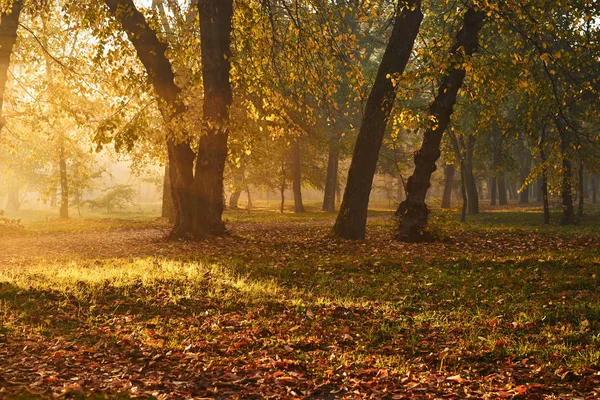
[[500, 307]]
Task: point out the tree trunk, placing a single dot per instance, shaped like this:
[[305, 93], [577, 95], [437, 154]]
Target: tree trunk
[[352, 218], [448, 184], [249, 205], [471, 185], [567, 184], [539, 195], [581, 188], [594, 189], [463, 192], [151, 53], [168, 210], [297, 177], [215, 31], [234, 199], [493, 189], [524, 172], [332, 174], [502, 195], [9, 23], [545, 196], [64, 181], [413, 211], [197, 200]]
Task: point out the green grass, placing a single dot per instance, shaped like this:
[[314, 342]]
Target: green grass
[[501, 295]]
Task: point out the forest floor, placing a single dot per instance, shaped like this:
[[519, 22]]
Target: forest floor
[[500, 307]]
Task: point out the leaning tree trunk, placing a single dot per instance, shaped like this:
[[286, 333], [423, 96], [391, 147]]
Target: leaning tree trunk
[[471, 185], [215, 40], [9, 23], [448, 184], [64, 181], [413, 211], [332, 174], [297, 177], [352, 218], [151, 52]]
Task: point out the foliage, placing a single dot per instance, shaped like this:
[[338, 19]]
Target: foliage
[[116, 197]]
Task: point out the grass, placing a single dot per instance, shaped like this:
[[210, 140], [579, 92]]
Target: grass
[[502, 306]]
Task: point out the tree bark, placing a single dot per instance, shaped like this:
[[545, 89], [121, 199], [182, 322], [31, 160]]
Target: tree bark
[[9, 24], [594, 189], [352, 218], [448, 184], [64, 181], [151, 53], [413, 212], [168, 210], [567, 182], [471, 185], [331, 180], [197, 197], [297, 177], [215, 31]]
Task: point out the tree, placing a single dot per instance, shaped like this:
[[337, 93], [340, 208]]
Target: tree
[[413, 211], [9, 24], [352, 218], [197, 191]]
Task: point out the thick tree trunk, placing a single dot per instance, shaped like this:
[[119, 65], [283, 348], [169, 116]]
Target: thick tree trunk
[[9, 23], [197, 200], [297, 177], [413, 211], [581, 188], [448, 184], [332, 174], [215, 31], [352, 218], [168, 210], [493, 189], [471, 185], [64, 181]]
